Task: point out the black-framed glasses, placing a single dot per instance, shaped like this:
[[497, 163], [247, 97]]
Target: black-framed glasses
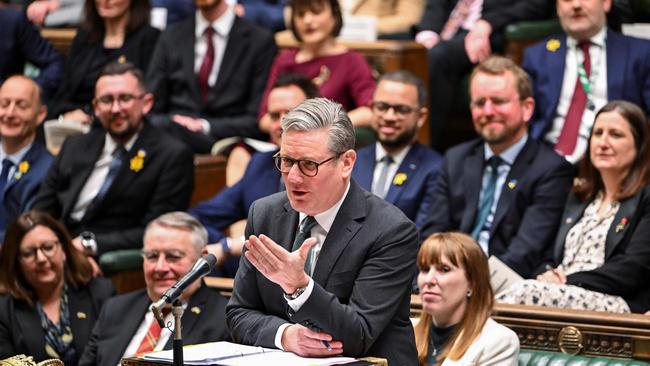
[[307, 167], [399, 109], [48, 248], [123, 100], [172, 256]]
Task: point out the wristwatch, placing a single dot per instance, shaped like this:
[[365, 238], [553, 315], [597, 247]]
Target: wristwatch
[[89, 243], [296, 293]]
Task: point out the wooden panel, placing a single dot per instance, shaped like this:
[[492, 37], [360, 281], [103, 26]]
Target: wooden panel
[[61, 38], [209, 177], [128, 281]]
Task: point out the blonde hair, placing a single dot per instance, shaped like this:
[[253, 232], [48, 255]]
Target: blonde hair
[[462, 251]]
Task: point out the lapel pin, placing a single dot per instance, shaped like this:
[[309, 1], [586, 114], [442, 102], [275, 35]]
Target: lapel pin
[[81, 315], [568, 220], [137, 162], [621, 225], [399, 179], [196, 310], [553, 44], [412, 166], [512, 184]]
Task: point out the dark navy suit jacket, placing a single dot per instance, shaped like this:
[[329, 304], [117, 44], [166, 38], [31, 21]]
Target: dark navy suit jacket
[[20, 192], [628, 76], [21, 42], [415, 194], [528, 211]]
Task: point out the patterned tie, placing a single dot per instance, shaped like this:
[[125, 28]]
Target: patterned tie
[[4, 179], [206, 65], [488, 196], [113, 169], [150, 339], [456, 18], [566, 143], [304, 233], [379, 188]]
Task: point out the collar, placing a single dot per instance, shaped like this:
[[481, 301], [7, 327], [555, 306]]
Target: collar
[[221, 25], [398, 157], [510, 154], [326, 218], [598, 39], [110, 144], [16, 157]]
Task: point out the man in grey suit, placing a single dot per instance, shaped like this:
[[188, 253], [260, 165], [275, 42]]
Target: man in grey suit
[[345, 290]]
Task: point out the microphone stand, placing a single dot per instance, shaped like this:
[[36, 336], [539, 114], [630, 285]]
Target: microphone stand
[[177, 311]]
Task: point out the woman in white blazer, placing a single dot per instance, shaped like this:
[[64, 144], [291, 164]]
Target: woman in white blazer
[[455, 327]]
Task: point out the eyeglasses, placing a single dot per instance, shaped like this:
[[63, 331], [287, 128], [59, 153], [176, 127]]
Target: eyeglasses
[[307, 167], [399, 109], [276, 115], [48, 248], [481, 102], [123, 100], [173, 256]]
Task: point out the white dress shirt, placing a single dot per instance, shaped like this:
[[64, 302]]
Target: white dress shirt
[[398, 158]]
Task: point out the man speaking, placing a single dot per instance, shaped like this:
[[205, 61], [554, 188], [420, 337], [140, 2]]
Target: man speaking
[[328, 266]]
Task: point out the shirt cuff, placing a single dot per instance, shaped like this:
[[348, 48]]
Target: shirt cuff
[[299, 301], [206, 126], [278, 335]]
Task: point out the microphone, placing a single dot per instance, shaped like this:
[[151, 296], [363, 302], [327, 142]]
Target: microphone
[[202, 267]]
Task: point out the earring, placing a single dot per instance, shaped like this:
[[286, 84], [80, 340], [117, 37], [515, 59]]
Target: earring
[[469, 293]]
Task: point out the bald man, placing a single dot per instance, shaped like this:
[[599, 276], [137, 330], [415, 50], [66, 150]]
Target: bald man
[[24, 160]]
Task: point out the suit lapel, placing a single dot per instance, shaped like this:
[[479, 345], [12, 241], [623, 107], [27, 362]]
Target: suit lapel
[[192, 313], [621, 222], [556, 61], [409, 169], [365, 167], [129, 324], [29, 157], [237, 41], [473, 171], [509, 190], [186, 51], [81, 172], [616, 57], [81, 309], [287, 228], [572, 214], [344, 228], [32, 332]]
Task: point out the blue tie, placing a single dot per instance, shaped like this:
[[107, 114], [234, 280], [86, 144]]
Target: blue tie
[[113, 169], [4, 179], [488, 196]]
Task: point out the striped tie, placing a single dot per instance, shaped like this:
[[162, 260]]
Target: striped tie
[[153, 334]]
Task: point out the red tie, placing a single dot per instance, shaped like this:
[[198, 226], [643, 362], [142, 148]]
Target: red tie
[[206, 65], [566, 143], [150, 339]]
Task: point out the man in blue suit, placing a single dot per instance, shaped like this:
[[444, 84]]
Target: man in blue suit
[[24, 160], [261, 178], [612, 66], [505, 189], [397, 168]]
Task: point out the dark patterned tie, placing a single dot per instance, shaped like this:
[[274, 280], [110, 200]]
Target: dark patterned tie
[[488, 196], [304, 233]]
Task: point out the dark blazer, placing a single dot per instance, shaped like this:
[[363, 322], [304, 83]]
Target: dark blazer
[[260, 179], [232, 104], [529, 208], [20, 326], [414, 195], [164, 184], [137, 48], [628, 76], [626, 269], [203, 321], [362, 279], [21, 42], [20, 192]]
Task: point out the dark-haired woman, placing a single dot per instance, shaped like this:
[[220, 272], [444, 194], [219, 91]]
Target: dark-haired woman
[[49, 301], [113, 30], [341, 75], [602, 250]]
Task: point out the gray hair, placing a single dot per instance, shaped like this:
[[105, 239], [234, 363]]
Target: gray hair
[[317, 113], [408, 78], [182, 221]]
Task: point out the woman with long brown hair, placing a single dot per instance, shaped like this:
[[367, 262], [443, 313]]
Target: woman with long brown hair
[[455, 327]]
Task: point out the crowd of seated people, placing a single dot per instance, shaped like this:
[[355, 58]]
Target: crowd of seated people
[[554, 186]]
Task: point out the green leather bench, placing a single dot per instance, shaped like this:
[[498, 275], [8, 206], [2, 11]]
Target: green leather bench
[[124, 268], [542, 358]]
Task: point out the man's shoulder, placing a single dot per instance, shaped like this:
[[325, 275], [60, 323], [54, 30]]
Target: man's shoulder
[[426, 154], [463, 149], [181, 29], [158, 139], [257, 33], [544, 158], [119, 302]]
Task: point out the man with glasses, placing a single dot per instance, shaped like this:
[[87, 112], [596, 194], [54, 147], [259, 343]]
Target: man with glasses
[[505, 189], [105, 186], [24, 159], [260, 179], [327, 265], [126, 327], [397, 168]]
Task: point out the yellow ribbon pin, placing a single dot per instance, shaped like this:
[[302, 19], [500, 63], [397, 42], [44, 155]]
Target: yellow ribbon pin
[[399, 179], [552, 44], [81, 315], [196, 310]]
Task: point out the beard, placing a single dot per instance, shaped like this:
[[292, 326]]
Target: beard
[[401, 140]]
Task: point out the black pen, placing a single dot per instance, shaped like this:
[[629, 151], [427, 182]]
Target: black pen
[[326, 344]]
